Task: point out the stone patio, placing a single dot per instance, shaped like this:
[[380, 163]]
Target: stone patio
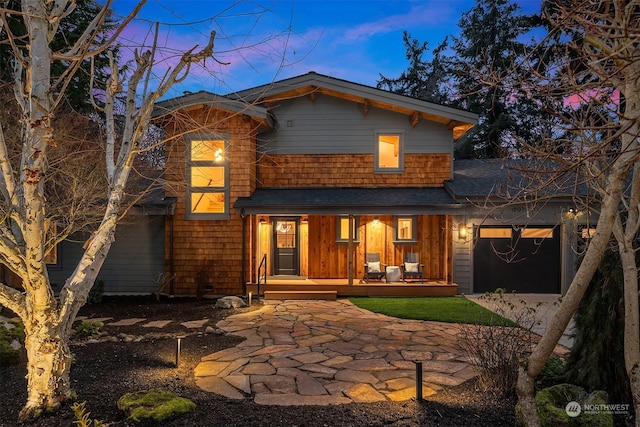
[[331, 352]]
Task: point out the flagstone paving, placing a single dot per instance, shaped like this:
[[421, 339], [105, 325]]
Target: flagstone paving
[[331, 352]]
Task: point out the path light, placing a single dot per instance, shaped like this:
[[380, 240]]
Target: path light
[[418, 380], [249, 299], [178, 344]]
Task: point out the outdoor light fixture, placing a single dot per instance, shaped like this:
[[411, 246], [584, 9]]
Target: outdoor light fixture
[[462, 231], [376, 219], [262, 220], [179, 339]]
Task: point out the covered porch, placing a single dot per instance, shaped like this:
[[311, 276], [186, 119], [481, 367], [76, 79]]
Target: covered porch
[[312, 243]]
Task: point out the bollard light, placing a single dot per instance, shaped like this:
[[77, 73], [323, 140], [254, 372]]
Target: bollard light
[[178, 344], [418, 380], [249, 299]]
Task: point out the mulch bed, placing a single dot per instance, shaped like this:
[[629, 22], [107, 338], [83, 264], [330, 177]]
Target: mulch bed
[[104, 371]]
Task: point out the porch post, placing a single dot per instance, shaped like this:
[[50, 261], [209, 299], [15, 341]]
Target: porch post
[[350, 250]]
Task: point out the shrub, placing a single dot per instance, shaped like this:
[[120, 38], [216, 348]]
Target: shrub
[[88, 327], [156, 405], [495, 350], [552, 404]]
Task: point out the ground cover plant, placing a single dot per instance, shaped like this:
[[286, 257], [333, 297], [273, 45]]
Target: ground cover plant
[[456, 309]]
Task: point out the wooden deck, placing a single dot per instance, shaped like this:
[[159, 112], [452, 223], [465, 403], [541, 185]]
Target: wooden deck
[[306, 288]]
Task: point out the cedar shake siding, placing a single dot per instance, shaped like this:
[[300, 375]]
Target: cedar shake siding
[[350, 170], [211, 249]]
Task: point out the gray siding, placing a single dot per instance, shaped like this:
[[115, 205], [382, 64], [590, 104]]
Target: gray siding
[[335, 126], [134, 262]]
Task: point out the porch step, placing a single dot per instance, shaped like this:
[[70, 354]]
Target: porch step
[[321, 295]]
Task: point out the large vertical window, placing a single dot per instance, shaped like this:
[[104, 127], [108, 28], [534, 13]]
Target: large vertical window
[[207, 178], [389, 152]]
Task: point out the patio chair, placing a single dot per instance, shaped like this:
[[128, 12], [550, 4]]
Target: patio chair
[[373, 269], [411, 267]]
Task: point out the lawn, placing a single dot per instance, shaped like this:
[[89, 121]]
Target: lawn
[[456, 309]]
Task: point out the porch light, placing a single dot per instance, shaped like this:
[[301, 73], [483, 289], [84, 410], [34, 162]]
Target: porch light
[[376, 220], [462, 231], [262, 220]]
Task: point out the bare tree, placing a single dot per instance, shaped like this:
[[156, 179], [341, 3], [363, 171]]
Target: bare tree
[[24, 200], [586, 74]]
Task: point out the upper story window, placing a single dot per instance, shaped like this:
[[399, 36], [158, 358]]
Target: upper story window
[[207, 179], [406, 229], [342, 229], [389, 152]]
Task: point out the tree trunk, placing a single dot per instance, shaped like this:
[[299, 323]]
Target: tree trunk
[[631, 325], [48, 363], [536, 361]]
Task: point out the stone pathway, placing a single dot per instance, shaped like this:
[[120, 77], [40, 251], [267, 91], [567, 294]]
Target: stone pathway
[[331, 352]]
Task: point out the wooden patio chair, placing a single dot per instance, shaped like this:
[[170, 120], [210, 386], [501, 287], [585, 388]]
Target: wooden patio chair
[[373, 269], [411, 267]]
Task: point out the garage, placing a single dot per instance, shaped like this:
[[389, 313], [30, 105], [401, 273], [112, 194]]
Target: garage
[[523, 259]]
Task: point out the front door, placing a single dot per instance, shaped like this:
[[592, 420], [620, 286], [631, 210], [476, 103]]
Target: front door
[[285, 244]]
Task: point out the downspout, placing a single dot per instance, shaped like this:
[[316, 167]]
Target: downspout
[[171, 258], [244, 253]]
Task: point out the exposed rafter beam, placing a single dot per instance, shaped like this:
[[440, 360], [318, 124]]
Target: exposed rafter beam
[[415, 117]]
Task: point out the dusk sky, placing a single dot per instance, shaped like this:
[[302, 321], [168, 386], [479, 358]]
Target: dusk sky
[[263, 41]]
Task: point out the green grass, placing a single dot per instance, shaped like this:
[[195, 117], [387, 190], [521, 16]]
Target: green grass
[[440, 309]]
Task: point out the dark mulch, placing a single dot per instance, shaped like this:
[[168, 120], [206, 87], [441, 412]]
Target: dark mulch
[[102, 372]]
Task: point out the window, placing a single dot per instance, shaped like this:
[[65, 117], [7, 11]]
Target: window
[[342, 229], [207, 178], [495, 233], [406, 229], [389, 152]]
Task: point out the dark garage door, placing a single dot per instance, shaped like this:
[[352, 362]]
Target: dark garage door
[[520, 259]]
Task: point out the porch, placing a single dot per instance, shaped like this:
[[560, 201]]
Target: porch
[[305, 288]]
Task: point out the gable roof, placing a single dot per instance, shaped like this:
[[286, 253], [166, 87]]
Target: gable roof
[[192, 100], [313, 84]]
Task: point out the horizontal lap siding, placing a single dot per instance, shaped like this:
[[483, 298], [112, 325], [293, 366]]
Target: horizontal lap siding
[[336, 126], [212, 247], [350, 170]]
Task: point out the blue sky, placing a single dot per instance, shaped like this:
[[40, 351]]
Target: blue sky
[[261, 41]]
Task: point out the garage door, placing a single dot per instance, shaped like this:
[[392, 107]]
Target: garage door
[[520, 259]]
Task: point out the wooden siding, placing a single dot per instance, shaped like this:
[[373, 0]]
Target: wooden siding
[[330, 125], [350, 170], [212, 248], [133, 264], [327, 259]]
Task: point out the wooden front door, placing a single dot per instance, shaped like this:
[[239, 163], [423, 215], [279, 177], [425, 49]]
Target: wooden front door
[[286, 254]]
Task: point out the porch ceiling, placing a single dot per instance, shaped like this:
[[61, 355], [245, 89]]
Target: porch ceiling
[[348, 201]]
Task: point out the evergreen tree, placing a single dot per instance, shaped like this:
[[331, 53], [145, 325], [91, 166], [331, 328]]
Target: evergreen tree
[[426, 80], [489, 46], [596, 361]]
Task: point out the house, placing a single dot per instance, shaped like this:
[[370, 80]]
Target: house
[[284, 188]]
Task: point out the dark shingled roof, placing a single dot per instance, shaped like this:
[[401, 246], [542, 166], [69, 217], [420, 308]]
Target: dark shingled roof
[[346, 200], [475, 178]]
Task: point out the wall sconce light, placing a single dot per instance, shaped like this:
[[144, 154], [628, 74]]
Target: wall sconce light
[[462, 231], [376, 220], [305, 219], [262, 220]]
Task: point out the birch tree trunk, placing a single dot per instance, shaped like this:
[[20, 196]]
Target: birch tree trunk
[[23, 242]]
